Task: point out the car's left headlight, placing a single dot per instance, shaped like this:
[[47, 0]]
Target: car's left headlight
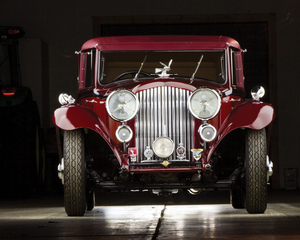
[[204, 103], [122, 105]]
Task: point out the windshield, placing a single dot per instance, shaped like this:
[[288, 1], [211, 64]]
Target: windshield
[[205, 65]]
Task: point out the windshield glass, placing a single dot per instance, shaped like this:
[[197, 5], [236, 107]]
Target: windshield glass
[[205, 65]]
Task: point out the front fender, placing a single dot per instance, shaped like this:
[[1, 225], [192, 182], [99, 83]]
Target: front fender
[[254, 115], [73, 117]]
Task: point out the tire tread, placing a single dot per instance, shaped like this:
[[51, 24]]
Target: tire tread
[[74, 173], [256, 172]]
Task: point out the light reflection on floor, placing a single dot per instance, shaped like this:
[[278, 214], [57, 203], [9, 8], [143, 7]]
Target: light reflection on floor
[[30, 220]]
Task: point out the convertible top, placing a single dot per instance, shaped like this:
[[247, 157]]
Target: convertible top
[[163, 42]]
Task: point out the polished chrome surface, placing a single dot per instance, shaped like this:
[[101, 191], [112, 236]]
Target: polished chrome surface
[[257, 92], [163, 147], [122, 105], [198, 103], [124, 133], [207, 132], [163, 112], [65, 99]]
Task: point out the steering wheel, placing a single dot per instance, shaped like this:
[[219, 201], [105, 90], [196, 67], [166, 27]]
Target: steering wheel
[[132, 73]]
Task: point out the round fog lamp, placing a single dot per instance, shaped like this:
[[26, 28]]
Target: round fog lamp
[[124, 133], [163, 147], [207, 132]]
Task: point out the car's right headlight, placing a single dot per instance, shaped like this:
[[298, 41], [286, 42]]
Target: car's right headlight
[[204, 103], [122, 105]]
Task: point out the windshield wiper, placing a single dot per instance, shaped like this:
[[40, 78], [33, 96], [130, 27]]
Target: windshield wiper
[[102, 69], [136, 75], [193, 76], [222, 67]]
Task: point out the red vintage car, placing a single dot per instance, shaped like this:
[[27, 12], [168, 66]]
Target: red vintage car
[[163, 114]]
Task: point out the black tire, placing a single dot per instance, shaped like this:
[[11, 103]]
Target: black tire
[[237, 198], [90, 200], [256, 171], [74, 173]]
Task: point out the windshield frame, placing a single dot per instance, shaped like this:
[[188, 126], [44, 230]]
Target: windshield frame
[[154, 76]]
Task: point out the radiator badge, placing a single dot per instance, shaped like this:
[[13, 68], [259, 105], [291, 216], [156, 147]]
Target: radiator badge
[[180, 151], [197, 153], [165, 163], [148, 153], [132, 153]]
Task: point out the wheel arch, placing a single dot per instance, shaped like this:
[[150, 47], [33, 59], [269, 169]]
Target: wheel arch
[[253, 115], [75, 117]]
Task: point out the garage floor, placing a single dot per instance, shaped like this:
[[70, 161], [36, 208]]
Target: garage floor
[[145, 216]]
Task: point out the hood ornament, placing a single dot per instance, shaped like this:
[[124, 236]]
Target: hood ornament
[[163, 71]]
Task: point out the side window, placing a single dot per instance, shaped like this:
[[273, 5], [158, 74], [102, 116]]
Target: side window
[[236, 68], [86, 69]]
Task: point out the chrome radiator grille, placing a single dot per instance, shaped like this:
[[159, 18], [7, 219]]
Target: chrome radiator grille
[[164, 112]]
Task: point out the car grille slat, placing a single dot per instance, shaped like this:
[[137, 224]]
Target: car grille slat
[[164, 112]]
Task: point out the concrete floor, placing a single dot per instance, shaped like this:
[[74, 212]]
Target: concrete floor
[[145, 216]]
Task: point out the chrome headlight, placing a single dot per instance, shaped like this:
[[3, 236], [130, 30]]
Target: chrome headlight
[[163, 147], [122, 105], [207, 132], [204, 103], [124, 133]]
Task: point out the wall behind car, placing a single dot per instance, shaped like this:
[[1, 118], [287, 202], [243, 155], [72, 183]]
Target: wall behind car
[[63, 26]]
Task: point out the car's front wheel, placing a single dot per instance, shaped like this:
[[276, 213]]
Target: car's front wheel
[[90, 200], [237, 198], [74, 173], [256, 171]]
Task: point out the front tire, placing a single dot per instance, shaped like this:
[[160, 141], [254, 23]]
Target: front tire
[[90, 200], [237, 198], [256, 171], [74, 173]]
